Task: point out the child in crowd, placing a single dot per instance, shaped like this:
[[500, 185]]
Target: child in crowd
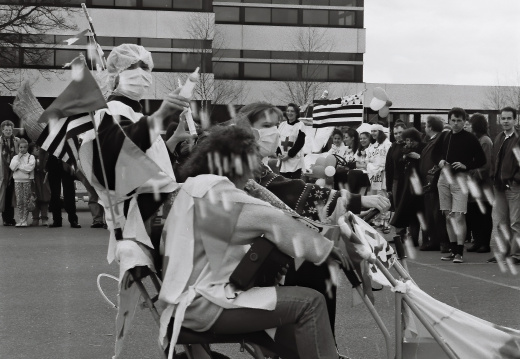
[[41, 187], [22, 166]]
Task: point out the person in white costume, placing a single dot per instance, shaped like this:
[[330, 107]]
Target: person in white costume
[[292, 140]]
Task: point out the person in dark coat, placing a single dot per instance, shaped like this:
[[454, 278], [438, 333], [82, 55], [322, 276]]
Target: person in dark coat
[[410, 203], [436, 234]]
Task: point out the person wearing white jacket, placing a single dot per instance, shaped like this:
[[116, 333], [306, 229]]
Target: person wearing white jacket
[[22, 166]]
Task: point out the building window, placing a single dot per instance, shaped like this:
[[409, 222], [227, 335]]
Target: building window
[[256, 54], [126, 3], [226, 70], [314, 72], [221, 53], [257, 71], [125, 40], [227, 14], [285, 16], [10, 57], [257, 15], [162, 60], [65, 56], [159, 4], [188, 4], [342, 73], [315, 17], [284, 72], [103, 2], [342, 18], [148, 42]]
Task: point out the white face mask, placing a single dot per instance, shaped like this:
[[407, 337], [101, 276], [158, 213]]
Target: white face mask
[[268, 141], [134, 83]]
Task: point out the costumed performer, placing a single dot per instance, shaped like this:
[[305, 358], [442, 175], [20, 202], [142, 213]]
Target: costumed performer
[[307, 199], [211, 220], [292, 140]]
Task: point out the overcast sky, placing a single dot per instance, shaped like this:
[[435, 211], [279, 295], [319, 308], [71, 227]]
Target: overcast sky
[[461, 42]]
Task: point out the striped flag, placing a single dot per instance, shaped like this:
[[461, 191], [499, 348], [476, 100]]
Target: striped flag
[[60, 137], [338, 112]]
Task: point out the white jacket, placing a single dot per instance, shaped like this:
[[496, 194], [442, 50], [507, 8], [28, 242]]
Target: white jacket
[[23, 167]]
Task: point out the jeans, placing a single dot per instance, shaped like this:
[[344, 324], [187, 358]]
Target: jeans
[[506, 215], [300, 316], [96, 210]]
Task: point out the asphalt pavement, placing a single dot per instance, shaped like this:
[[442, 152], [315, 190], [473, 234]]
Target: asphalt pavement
[[50, 306]]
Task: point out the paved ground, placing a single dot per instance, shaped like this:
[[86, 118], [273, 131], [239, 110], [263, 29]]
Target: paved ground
[[50, 307]]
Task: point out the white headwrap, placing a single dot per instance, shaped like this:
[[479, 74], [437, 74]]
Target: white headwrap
[[124, 56], [364, 127]]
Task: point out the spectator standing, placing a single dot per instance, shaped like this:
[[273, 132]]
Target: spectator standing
[[22, 166], [41, 188], [96, 209], [411, 201], [8, 149], [61, 174], [292, 140], [506, 181], [479, 222], [457, 152], [436, 233]]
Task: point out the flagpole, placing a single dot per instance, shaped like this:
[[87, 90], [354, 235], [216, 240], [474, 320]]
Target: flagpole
[[117, 231], [91, 25]]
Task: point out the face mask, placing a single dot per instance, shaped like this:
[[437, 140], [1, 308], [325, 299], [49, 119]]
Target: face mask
[[268, 141], [134, 83]]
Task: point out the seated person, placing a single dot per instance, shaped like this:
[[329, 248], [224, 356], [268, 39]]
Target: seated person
[[307, 199], [211, 220], [338, 147]]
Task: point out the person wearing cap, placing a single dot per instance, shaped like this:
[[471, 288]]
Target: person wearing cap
[[456, 153], [129, 69]]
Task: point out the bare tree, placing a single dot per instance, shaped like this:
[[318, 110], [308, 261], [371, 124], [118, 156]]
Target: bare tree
[[313, 45], [210, 91], [21, 27], [498, 97]]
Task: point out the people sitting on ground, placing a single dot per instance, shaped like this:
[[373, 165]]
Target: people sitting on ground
[[212, 218], [8, 149], [22, 166]]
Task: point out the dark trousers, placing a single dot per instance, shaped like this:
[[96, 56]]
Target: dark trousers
[[437, 234], [479, 224], [58, 177], [8, 213], [311, 276]]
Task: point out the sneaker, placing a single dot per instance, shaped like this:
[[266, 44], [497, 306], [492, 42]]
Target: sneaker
[[492, 260], [18, 224], [45, 222], [458, 259], [96, 225], [449, 257]]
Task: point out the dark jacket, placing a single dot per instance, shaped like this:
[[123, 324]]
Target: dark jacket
[[462, 147], [393, 167], [427, 157], [509, 170]]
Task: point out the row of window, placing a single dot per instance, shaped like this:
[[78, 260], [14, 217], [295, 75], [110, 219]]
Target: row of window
[[109, 41], [287, 55], [182, 5], [56, 58], [287, 72], [287, 17], [356, 3]]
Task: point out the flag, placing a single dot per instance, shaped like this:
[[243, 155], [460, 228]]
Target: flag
[[80, 36], [338, 112], [81, 95], [60, 138], [29, 110]]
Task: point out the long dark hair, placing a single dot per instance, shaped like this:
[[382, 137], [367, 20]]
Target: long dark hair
[[355, 139], [370, 139], [381, 137]]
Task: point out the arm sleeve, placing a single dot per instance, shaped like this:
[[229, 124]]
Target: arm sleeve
[[437, 148], [485, 171], [389, 167], [479, 158], [14, 163], [28, 167], [298, 145], [289, 235]]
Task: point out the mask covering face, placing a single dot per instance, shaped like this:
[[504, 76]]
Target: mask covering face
[[268, 141], [134, 83]]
